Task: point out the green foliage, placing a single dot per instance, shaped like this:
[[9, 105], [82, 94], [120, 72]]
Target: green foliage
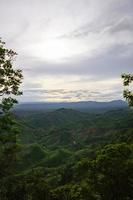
[[29, 156], [73, 133], [128, 95], [98, 167], [10, 81], [107, 176], [73, 192], [112, 172]]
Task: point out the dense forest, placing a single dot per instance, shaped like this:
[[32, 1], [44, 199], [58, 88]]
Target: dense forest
[[64, 154], [67, 154]]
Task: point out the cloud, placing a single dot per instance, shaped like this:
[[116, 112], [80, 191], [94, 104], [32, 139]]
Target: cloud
[[70, 95], [125, 24], [109, 64], [65, 44]]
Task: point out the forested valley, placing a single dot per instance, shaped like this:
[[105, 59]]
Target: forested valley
[[70, 154]]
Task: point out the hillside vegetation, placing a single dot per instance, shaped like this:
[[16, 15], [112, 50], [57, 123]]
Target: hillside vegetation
[[74, 155]]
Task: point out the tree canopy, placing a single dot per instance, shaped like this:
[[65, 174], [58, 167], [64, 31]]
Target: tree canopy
[[10, 80], [128, 95]]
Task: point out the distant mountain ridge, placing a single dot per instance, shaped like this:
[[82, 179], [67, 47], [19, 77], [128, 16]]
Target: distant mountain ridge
[[72, 105]]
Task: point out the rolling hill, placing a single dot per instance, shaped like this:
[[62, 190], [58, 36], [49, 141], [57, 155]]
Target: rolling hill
[[70, 127], [83, 105]]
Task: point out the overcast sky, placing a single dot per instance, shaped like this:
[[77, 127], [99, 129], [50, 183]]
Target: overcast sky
[[70, 50]]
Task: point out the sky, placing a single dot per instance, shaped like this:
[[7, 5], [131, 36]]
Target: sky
[[69, 50]]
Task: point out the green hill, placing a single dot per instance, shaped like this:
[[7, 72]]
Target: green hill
[[67, 154], [67, 127]]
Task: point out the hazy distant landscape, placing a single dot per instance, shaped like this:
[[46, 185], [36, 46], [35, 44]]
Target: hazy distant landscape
[[84, 105]]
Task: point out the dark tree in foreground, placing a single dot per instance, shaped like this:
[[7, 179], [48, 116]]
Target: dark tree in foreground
[[128, 95], [112, 172], [10, 81]]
